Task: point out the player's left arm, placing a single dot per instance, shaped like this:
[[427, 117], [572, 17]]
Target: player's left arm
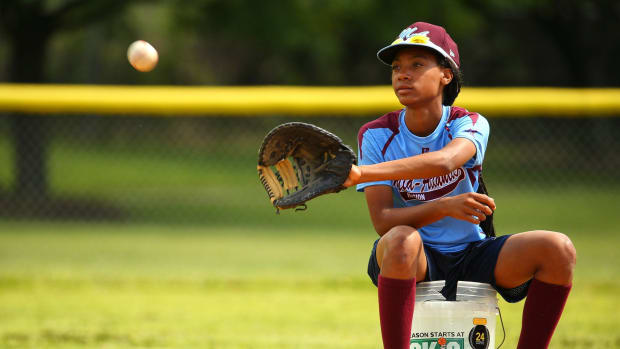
[[437, 163]]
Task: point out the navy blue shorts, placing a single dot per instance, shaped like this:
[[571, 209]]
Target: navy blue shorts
[[475, 263]]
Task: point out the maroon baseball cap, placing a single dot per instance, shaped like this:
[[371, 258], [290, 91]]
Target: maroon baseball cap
[[426, 35]]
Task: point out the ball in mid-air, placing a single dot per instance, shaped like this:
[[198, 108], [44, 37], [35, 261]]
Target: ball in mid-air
[[142, 56]]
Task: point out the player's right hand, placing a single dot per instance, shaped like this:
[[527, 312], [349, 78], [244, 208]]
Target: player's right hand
[[470, 207], [354, 176]]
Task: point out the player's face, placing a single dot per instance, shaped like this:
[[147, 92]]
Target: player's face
[[417, 78]]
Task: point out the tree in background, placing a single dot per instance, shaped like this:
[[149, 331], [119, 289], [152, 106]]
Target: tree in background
[[29, 26], [301, 42], [524, 43], [571, 43]]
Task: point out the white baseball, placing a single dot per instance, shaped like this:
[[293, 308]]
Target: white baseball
[[142, 56]]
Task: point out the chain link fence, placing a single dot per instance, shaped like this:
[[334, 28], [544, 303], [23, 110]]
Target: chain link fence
[[202, 170]]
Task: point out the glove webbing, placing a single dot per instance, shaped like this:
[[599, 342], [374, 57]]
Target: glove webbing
[[276, 183]]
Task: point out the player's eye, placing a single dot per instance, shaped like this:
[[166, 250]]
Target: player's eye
[[417, 65], [395, 68]]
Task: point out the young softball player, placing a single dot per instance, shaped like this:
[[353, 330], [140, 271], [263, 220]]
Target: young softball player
[[420, 170]]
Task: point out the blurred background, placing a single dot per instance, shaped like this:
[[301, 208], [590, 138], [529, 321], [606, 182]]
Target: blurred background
[[79, 177], [198, 169]]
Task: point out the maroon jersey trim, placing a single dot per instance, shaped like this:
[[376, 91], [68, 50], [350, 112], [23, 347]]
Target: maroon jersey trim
[[389, 121], [458, 112]]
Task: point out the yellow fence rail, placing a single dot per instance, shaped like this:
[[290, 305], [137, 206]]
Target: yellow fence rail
[[292, 100]]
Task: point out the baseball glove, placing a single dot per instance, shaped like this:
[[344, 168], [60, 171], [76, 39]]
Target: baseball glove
[[298, 162]]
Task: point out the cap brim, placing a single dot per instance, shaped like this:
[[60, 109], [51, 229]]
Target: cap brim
[[386, 55]]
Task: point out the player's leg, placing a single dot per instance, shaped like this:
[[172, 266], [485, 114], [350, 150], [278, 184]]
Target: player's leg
[[549, 258], [401, 258]]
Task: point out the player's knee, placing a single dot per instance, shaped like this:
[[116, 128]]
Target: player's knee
[[402, 245], [567, 251], [561, 253]]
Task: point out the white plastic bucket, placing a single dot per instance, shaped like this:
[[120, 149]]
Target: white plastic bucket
[[467, 323]]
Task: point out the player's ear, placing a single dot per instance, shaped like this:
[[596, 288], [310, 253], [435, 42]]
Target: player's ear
[[447, 76]]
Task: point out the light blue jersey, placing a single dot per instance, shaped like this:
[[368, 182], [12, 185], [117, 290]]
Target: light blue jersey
[[388, 138]]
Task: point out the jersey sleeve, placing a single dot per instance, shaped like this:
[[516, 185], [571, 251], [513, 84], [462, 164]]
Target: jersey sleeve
[[369, 153], [476, 129]]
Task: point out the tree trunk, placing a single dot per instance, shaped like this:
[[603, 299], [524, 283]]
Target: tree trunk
[[28, 52]]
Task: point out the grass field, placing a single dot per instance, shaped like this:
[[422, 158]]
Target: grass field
[[123, 286]]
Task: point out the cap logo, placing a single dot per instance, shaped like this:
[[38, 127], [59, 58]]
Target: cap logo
[[410, 35], [451, 53], [409, 32]]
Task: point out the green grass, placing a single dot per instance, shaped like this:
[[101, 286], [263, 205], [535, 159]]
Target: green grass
[[141, 286], [70, 286]]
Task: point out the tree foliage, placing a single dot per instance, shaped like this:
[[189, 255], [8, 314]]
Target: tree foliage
[[318, 42]]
